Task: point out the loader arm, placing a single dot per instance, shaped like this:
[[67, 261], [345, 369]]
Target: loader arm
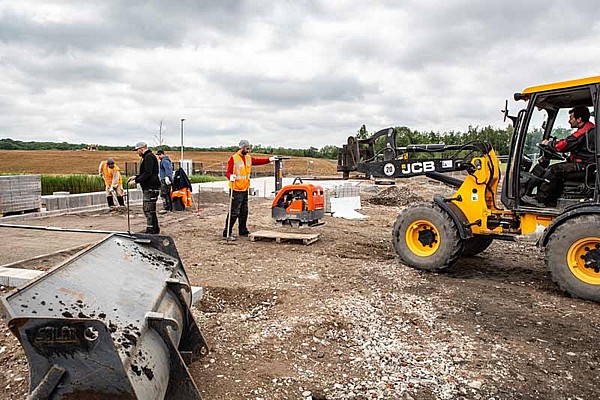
[[397, 162]]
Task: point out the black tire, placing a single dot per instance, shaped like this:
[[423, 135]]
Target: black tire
[[575, 239], [476, 245], [446, 246]]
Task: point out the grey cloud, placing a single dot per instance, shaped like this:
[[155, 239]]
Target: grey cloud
[[287, 92], [141, 24], [464, 31], [450, 64], [38, 71]]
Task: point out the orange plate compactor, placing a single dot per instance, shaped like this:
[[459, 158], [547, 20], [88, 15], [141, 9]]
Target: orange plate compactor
[[298, 204]]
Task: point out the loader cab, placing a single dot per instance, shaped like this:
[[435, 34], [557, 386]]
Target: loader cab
[[546, 116]]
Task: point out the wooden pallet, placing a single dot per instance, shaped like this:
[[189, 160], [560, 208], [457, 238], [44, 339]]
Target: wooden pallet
[[279, 237]]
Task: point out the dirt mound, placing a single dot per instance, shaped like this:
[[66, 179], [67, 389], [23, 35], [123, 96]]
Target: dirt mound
[[395, 196]]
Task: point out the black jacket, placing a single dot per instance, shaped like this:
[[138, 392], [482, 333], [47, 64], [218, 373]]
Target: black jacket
[[580, 144], [148, 176], [181, 180]]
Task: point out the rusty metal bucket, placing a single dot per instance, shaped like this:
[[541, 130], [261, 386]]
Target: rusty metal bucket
[[112, 322]]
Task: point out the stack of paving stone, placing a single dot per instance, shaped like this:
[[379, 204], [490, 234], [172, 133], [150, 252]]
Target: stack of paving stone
[[20, 193]]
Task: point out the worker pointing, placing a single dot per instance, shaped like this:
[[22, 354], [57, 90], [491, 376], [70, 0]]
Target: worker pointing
[[239, 168], [113, 182]]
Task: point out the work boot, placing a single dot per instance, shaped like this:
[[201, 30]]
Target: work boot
[[163, 211], [230, 238], [245, 233], [532, 201]]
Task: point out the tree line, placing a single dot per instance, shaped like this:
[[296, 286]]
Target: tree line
[[499, 138]]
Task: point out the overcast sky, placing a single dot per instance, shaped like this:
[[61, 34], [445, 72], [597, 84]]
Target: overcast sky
[[279, 73]]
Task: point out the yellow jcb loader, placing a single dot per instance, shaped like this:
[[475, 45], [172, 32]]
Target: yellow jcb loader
[[434, 235]]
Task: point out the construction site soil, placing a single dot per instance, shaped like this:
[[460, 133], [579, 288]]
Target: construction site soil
[[342, 318]]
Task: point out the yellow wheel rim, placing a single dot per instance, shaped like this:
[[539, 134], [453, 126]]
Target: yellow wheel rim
[[422, 238], [578, 254]]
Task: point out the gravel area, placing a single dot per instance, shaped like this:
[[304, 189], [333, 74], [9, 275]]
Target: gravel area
[[343, 319]]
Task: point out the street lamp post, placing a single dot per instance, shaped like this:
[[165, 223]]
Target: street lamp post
[[181, 157]]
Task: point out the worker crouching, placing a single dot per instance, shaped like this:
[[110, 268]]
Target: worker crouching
[[113, 182]]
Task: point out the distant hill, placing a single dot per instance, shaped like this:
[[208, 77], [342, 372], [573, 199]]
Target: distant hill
[[10, 144]]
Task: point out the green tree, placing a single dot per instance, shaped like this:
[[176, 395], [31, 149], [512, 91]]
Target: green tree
[[362, 133], [329, 152]]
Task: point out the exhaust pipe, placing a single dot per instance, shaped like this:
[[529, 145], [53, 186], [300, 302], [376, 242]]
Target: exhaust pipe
[[112, 322]]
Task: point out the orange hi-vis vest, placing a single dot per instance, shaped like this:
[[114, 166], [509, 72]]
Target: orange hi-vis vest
[[185, 194], [241, 170], [107, 173]]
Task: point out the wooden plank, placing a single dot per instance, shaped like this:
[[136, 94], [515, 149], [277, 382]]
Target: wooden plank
[[281, 237], [310, 241]]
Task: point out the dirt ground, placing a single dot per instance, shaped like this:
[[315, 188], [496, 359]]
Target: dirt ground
[[86, 162], [343, 318]]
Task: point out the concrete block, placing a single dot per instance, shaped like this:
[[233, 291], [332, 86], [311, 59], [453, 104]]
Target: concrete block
[[79, 200], [15, 277], [136, 195], [63, 202], [51, 203], [197, 294], [97, 198]]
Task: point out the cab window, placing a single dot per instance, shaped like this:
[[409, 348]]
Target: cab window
[[535, 132]]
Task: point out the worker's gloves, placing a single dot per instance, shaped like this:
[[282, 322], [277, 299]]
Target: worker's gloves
[[272, 158], [167, 180], [232, 178], [111, 189]]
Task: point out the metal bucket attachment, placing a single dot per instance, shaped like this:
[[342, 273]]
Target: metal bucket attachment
[[112, 322]]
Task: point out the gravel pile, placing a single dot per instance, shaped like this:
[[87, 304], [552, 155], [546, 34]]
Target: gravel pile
[[392, 363], [395, 196]]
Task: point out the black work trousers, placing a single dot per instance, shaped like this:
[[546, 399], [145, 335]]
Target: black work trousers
[[554, 178], [150, 197], [239, 210], [165, 194], [111, 201]]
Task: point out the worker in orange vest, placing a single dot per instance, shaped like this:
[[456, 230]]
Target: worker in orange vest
[[111, 173], [239, 168]]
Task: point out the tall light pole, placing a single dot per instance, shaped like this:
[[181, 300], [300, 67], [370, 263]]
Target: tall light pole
[[181, 158]]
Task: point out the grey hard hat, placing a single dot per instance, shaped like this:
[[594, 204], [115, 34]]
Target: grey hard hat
[[139, 145], [110, 161], [244, 143]]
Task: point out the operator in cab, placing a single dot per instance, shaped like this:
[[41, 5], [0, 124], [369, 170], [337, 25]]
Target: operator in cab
[[553, 176]]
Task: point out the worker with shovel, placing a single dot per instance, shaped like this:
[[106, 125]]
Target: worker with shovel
[[148, 180], [113, 182], [239, 168]]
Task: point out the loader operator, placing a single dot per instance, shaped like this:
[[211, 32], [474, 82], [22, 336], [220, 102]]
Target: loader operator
[[239, 168], [553, 177], [148, 180], [113, 182]]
